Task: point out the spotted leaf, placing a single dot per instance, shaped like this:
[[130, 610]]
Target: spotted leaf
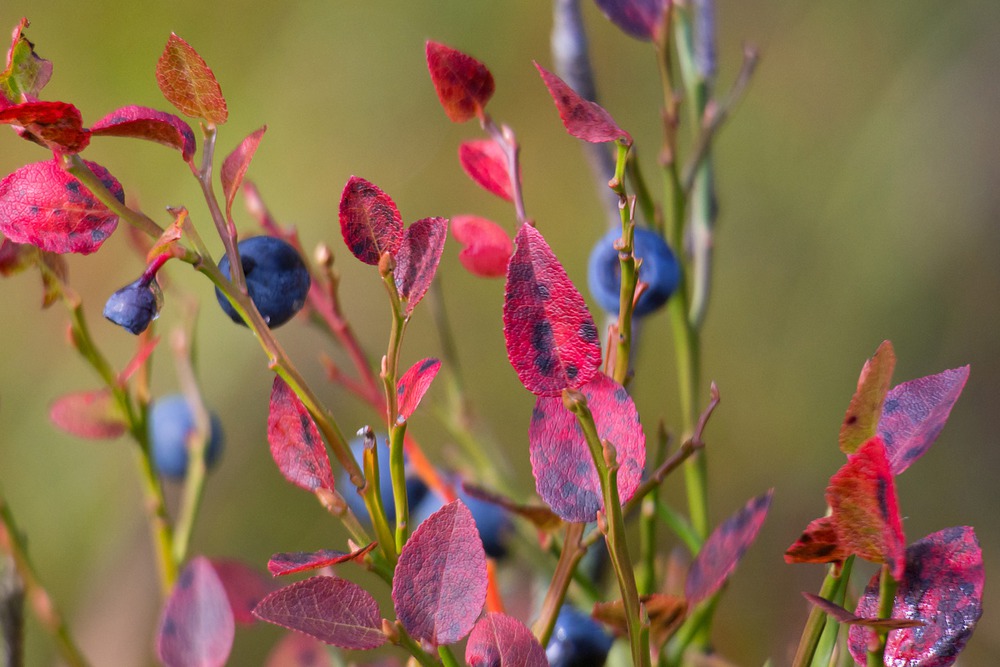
[[296, 445], [369, 221], [817, 544], [197, 625], [463, 84], [149, 124]]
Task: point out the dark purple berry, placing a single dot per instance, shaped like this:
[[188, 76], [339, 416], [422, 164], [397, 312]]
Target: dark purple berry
[[577, 640], [135, 305], [277, 279]]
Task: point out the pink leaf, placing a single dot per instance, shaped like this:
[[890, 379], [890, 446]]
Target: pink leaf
[[414, 384], [301, 561], [55, 125], [552, 341], [335, 611], [296, 445], [861, 420], [487, 246], [245, 587], [915, 412], [45, 206], [188, 83], [89, 414], [641, 19], [485, 161], [943, 588], [296, 650], [440, 583], [724, 549], [418, 258], [145, 123], [235, 166], [463, 84], [369, 221], [499, 640], [582, 118], [565, 476], [197, 627]]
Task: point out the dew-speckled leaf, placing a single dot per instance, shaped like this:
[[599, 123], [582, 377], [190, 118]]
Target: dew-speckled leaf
[[335, 611], [551, 338], [188, 83], [817, 544], [197, 625], [641, 19], [463, 84], [861, 421], [564, 471], [943, 587], [487, 247], [301, 561], [235, 166], [89, 414], [296, 445], [915, 412], [56, 125], [485, 162], [369, 221], [150, 124], [298, 650], [414, 384], [26, 73], [499, 640], [418, 258], [245, 587], [582, 118], [439, 587]]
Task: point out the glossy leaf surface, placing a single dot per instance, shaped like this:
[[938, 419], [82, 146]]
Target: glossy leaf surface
[[197, 626], [582, 118], [301, 561], [487, 247], [418, 258], [499, 640], [861, 420], [463, 84], [188, 83], [369, 221], [485, 163], [149, 124], [414, 384], [295, 442], [89, 414]]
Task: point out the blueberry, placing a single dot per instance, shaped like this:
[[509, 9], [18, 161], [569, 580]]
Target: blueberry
[[277, 279], [171, 423], [135, 305], [415, 487], [660, 271], [493, 521], [577, 640]]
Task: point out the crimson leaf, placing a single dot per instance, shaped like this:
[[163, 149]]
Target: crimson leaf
[[300, 561], [414, 384], [55, 125], [582, 118], [369, 221], [89, 414], [487, 247], [145, 123], [197, 627], [235, 166], [418, 258], [296, 445], [485, 161], [499, 640], [463, 84], [188, 83], [861, 420]]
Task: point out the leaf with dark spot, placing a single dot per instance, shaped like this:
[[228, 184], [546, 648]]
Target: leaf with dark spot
[[463, 84], [414, 384], [817, 544], [369, 221], [197, 626], [418, 258], [582, 118], [89, 414], [145, 123], [861, 420], [296, 445], [485, 161], [301, 561], [499, 640], [188, 83], [487, 248]]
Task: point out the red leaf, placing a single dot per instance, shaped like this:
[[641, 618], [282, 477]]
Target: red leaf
[[335, 611], [440, 583], [55, 125], [145, 123], [295, 650], [463, 84], [235, 166], [188, 83], [89, 414], [301, 561], [565, 476], [45, 206], [943, 587], [245, 588], [485, 161], [499, 640], [724, 549], [296, 445], [26, 73], [818, 544], [915, 412], [418, 258], [369, 221], [641, 19], [487, 246], [197, 628], [582, 118], [861, 420], [552, 341], [414, 384]]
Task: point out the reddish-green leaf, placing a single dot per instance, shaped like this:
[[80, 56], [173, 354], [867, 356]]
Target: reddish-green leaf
[[149, 124], [301, 561], [188, 83], [440, 583], [499, 640], [89, 414], [641, 19], [56, 125], [418, 258], [197, 627], [245, 587], [915, 412], [485, 161], [296, 445], [487, 247], [45, 206], [16, 257], [369, 221], [582, 118], [26, 73], [724, 549], [861, 420], [841, 615], [335, 611], [565, 476], [414, 384], [463, 84], [552, 340], [297, 650], [235, 166], [818, 544], [943, 588]]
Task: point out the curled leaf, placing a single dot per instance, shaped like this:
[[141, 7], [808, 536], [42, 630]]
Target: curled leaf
[[861, 420], [487, 246], [463, 84], [26, 72], [55, 125], [149, 124], [301, 561]]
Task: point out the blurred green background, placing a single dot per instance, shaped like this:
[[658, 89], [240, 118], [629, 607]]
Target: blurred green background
[[858, 184]]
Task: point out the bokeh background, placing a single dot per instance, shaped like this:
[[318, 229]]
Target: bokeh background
[[858, 185]]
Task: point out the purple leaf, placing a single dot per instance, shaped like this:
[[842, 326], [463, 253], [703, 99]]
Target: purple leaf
[[296, 445], [145, 123], [414, 384], [582, 118], [641, 19], [499, 640], [235, 166], [369, 221], [418, 258], [89, 414], [861, 420], [301, 561], [197, 627]]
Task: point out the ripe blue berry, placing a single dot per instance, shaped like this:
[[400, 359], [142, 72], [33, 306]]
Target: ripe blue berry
[[415, 487], [660, 271], [492, 521], [277, 279], [135, 305], [577, 640], [170, 424]]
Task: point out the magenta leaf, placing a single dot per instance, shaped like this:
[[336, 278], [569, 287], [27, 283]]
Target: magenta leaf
[[440, 583], [418, 259], [463, 84], [943, 588], [724, 549], [485, 161], [335, 611], [89, 414], [582, 118], [414, 384], [565, 476], [297, 650], [145, 123], [245, 588], [915, 412], [55, 125], [369, 221], [499, 640], [188, 83], [552, 340], [45, 206], [487, 247], [235, 166], [301, 561], [197, 627], [26, 73], [641, 19], [296, 445]]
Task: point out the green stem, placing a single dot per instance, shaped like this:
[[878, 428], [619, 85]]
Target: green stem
[[75, 165], [629, 273], [823, 655], [813, 629], [886, 601], [404, 640], [227, 232], [373, 501], [396, 428], [397, 469], [447, 657], [647, 526]]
